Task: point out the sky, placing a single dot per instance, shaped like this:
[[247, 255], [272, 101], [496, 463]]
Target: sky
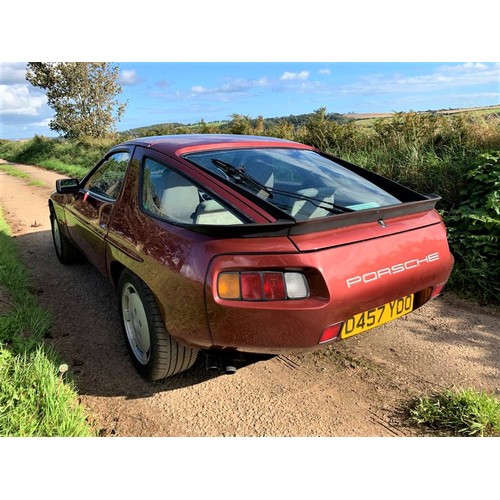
[[186, 92]]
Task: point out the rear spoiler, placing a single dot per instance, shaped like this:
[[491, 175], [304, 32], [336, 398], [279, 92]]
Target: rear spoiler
[[293, 228]]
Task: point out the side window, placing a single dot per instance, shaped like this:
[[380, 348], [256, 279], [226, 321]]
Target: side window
[[107, 180], [167, 194]]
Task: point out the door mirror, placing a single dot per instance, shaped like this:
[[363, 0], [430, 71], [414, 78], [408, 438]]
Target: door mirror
[[67, 186]]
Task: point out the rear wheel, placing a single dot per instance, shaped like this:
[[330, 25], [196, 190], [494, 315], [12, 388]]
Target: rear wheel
[[66, 252], [155, 353]]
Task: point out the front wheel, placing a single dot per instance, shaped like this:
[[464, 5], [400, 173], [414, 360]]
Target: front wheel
[[66, 252], [155, 353]]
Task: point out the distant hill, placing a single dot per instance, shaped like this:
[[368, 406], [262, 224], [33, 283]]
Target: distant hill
[[169, 128], [295, 120]]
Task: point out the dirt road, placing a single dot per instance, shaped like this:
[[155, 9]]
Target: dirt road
[[353, 388]]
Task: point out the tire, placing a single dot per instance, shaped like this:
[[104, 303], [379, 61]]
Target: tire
[[156, 355], [66, 252]]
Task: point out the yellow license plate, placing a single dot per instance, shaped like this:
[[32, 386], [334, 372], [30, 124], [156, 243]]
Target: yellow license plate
[[376, 317]]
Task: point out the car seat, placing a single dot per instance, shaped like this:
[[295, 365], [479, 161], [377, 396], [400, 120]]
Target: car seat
[[305, 209], [179, 198]]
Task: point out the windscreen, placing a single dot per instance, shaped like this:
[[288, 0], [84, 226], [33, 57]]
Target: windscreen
[[302, 183]]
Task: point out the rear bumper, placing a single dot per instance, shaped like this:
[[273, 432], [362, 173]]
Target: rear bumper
[[343, 280]]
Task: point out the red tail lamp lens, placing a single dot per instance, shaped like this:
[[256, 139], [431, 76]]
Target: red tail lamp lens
[[274, 286], [251, 286]]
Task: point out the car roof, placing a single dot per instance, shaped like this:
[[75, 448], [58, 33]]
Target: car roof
[[183, 143]]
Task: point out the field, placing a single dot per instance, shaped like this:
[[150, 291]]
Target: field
[[371, 117]]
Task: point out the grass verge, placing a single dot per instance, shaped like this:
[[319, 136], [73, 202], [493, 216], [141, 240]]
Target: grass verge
[[463, 412], [64, 169], [37, 399], [14, 172]]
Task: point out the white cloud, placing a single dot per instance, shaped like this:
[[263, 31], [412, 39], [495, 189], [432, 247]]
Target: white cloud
[[442, 78], [324, 71], [19, 100], [238, 86], [466, 67], [12, 73], [128, 77], [44, 123], [287, 75], [235, 86]]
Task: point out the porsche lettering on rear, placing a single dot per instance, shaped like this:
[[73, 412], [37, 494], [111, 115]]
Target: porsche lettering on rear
[[395, 269]]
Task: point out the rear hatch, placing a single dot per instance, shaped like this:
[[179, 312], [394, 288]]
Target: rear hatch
[[373, 263]]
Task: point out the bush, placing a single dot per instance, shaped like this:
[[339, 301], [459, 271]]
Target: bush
[[44, 151], [474, 231]]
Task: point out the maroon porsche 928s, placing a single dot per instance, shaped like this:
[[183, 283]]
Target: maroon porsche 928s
[[238, 244]]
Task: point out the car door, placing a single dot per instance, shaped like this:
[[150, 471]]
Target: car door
[[89, 212]]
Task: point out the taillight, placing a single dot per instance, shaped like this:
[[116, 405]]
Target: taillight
[[264, 285], [228, 286], [251, 286], [274, 286]]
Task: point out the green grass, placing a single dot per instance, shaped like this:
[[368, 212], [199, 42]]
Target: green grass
[[63, 168], [35, 398], [10, 170], [14, 172], [36, 183], [73, 158], [463, 412]]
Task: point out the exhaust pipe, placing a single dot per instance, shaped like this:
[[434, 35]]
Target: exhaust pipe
[[230, 370], [212, 363], [218, 362]]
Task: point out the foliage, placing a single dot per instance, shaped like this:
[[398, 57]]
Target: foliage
[[465, 412], [239, 124], [34, 398], [288, 127], [428, 152], [68, 157], [82, 94], [474, 230]]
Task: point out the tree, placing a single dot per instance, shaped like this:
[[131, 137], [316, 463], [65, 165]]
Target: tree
[[82, 94]]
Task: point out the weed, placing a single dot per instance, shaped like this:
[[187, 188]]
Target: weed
[[463, 412]]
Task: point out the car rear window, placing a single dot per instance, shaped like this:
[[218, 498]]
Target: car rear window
[[302, 183]]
